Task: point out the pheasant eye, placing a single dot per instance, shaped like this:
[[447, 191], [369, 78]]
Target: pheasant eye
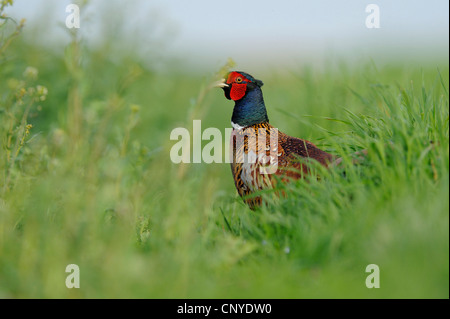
[[238, 80]]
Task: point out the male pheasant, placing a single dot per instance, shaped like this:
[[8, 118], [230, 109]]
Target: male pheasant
[[259, 151]]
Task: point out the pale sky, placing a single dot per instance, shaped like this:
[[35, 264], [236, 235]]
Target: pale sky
[[208, 32]]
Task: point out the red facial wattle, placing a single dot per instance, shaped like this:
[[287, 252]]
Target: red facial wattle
[[238, 91], [238, 84]]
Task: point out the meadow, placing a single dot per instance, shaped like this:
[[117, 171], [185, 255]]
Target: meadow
[[86, 178]]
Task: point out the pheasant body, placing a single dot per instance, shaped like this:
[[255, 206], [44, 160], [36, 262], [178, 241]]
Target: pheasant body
[[252, 160], [261, 154]]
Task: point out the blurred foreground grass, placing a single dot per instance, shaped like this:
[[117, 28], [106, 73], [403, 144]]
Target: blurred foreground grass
[[86, 179]]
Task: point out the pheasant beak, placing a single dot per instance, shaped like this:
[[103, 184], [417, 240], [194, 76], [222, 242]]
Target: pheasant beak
[[220, 84]]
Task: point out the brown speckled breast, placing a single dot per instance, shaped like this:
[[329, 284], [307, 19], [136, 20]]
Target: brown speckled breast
[[255, 160]]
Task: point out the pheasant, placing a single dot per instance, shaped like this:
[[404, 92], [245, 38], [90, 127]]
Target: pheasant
[[262, 155]]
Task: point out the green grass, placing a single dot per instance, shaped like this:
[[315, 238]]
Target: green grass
[[91, 183]]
